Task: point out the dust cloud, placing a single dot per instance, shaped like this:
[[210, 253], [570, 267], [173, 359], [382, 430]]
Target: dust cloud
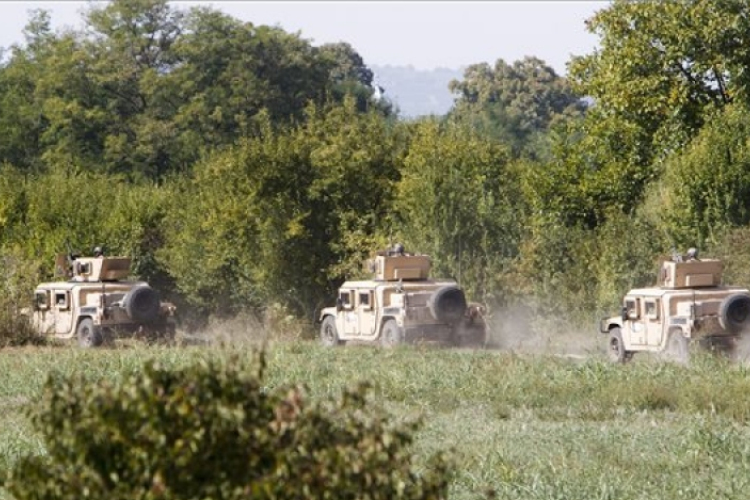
[[520, 329], [741, 351], [242, 329]]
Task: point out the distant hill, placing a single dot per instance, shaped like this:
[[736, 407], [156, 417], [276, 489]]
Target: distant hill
[[417, 92]]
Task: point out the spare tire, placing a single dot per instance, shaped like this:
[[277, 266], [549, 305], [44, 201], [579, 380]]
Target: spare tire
[[142, 304], [734, 312], [447, 304]]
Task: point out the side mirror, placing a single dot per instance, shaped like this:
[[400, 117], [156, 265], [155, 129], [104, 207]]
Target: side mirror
[[624, 313], [339, 304]]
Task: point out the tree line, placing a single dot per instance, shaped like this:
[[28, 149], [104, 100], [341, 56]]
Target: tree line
[[244, 168]]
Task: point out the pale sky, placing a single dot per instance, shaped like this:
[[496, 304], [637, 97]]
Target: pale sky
[[424, 34]]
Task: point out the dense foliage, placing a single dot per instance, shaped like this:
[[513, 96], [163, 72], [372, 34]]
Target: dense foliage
[[145, 87], [245, 168], [276, 217], [212, 430], [516, 104]]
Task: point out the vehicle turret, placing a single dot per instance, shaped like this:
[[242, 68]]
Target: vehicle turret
[[395, 264], [690, 272], [92, 269]]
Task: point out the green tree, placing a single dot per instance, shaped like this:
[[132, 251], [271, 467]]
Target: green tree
[[458, 201], [231, 71], [282, 217], [41, 214], [705, 190], [350, 76], [131, 49], [21, 122], [588, 174], [145, 89], [514, 102], [662, 65]]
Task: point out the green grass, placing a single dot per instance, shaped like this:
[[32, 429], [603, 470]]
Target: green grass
[[521, 426]]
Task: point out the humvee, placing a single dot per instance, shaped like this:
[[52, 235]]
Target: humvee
[[401, 304], [689, 304], [98, 303]]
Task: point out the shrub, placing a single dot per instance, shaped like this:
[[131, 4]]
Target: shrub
[[212, 430], [17, 281]]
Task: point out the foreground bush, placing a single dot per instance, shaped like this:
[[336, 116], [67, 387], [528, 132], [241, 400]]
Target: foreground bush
[[213, 431]]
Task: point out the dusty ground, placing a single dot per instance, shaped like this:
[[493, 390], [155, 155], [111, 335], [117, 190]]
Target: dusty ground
[[519, 330], [516, 331]]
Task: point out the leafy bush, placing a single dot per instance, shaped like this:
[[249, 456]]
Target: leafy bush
[[17, 279], [212, 430]]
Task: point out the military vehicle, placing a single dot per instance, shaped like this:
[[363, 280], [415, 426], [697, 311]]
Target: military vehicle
[[97, 303], [401, 304], [688, 305]]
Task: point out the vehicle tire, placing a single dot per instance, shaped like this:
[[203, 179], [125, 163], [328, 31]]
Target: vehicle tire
[[88, 334], [616, 348], [448, 304], [392, 334], [142, 304], [734, 313], [677, 348], [329, 335]]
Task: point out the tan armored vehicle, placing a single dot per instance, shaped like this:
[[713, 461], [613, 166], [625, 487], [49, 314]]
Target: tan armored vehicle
[[97, 303], [688, 304], [401, 303]]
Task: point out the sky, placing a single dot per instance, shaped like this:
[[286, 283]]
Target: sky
[[423, 34]]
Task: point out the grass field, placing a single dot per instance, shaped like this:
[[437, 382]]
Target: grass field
[[519, 425]]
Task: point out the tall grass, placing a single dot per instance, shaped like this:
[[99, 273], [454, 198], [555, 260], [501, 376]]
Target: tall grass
[[516, 426]]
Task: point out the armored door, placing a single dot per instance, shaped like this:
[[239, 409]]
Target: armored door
[[44, 314], [366, 311], [347, 319], [652, 318], [62, 309], [635, 327]]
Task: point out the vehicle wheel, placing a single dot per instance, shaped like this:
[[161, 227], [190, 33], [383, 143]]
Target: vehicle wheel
[[448, 304], [677, 348], [391, 335], [329, 335], [142, 304], [616, 348], [88, 335], [734, 313]]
